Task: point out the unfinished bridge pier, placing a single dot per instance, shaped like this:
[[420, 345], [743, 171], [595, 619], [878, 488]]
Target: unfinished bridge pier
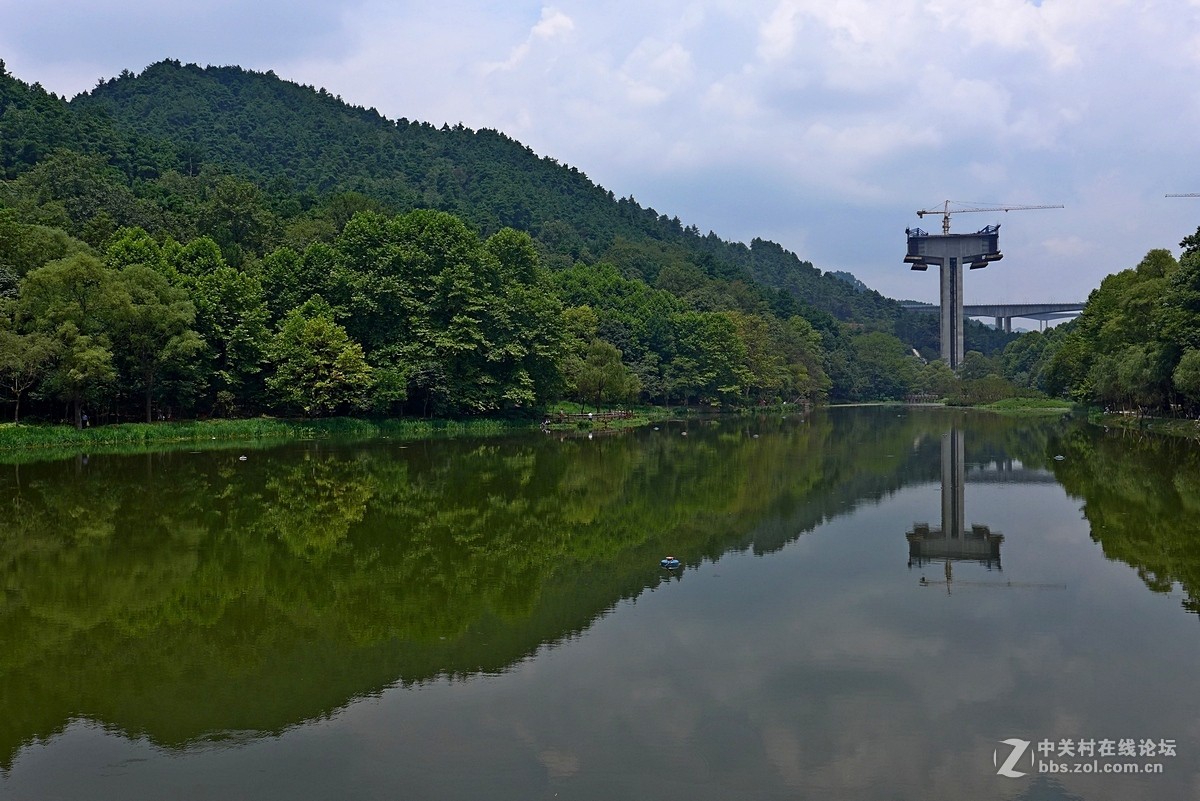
[[950, 252]]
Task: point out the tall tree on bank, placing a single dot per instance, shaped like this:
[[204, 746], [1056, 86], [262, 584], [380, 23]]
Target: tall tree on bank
[[153, 329], [231, 317], [473, 325], [24, 360], [600, 377], [318, 369], [74, 302]]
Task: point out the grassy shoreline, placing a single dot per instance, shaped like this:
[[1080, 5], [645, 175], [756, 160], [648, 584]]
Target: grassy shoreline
[[52, 441], [1165, 426], [1033, 407], [22, 442], [44, 442]]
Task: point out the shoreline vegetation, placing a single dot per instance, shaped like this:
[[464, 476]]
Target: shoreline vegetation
[[20, 442], [60, 440], [39, 442], [1185, 427], [1029, 406]]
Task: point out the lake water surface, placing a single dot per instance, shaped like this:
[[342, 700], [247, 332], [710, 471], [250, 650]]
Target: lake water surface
[[874, 603]]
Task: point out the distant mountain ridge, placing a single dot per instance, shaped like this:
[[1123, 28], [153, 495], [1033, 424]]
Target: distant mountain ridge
[[295, 138]]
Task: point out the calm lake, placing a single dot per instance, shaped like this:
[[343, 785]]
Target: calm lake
[[874, 603]]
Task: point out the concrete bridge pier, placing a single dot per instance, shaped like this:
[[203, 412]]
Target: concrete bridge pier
[[951, 253]]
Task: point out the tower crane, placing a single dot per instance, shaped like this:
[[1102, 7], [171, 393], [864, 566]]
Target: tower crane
[[946, 211], [1184, 194]]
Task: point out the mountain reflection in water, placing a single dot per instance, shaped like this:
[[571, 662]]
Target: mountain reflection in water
[[498, 604]]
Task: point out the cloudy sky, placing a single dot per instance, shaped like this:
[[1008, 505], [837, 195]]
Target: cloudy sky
[[821, 125]]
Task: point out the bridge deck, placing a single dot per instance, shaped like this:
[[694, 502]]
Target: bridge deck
[[1033, 311]]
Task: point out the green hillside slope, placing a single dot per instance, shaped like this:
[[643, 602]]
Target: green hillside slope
[[224, 168], [297, 139]]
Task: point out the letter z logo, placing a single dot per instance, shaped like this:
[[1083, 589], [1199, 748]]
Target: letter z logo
[[1019, 747]]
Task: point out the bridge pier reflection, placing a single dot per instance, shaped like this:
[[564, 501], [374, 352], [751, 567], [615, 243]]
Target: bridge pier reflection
[[954, 540]]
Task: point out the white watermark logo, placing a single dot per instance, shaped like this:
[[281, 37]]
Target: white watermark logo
[[1084, 755], [1019, 747]]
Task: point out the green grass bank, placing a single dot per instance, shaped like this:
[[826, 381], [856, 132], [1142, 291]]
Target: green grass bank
[[38, 442]]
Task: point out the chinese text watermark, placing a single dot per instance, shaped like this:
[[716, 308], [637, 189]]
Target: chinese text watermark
[[1081, 755]]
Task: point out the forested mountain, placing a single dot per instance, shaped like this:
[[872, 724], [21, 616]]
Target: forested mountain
[[297, 140], [208, 176]]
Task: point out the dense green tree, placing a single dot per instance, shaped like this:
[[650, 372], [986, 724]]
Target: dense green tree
[[806, 360], [1124, 351], [1179, 322], [24, 248], [766, 368], [1187, 376], [580, 324], [234, 215], [707, 359], [936, 378], [975, 391], [24, 360], [885, 367], [79, 290], [528, 345], [153, 330], [130, 246], [515, 256], [601, 377], [975, 365], [1115, 353], [319, 370], [289, 279], [649, 374], [472, 324], [199, 257], [1065, 372], [231, 318], [82, 372], [73, 301], [218, 166], [1022, 358], [69, 190]]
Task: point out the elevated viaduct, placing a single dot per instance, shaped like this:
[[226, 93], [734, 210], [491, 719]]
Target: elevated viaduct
[[1005, 312]]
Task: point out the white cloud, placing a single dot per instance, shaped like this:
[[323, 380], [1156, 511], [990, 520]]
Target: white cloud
[[654, 70], [1047, 29], [856, 146], [777, 35], [726, 98], [553, 25]]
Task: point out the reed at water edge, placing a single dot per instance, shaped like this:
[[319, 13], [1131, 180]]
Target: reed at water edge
[[15, 437]]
